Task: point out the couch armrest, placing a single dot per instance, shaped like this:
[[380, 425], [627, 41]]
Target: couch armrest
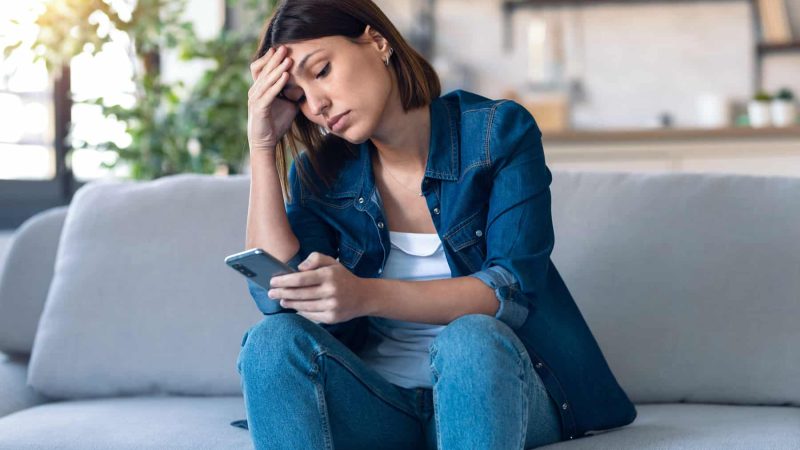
[[25, 278], [15, 394]]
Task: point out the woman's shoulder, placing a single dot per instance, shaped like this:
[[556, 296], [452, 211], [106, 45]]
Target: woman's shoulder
[[502, 120], [469, 102]]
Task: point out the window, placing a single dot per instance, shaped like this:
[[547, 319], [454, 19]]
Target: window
[[26, 113], [108, 74]]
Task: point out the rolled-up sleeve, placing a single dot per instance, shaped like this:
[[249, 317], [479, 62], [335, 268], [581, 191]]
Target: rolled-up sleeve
[[519, 227], [313, 233]]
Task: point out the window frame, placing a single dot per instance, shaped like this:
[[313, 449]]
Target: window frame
[[21, 199]]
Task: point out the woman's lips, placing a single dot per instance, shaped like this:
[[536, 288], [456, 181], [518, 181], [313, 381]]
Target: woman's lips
[[340, 122]]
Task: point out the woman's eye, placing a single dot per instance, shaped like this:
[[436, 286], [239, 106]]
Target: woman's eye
[[325, 70]]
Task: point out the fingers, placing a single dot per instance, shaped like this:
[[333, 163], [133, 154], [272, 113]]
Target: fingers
[[264, 92], [279, 58], [297, 279], [303, 294], [270, 75], [257, 65], [316, 306], [269, 82], [316, 260], [268, 62]]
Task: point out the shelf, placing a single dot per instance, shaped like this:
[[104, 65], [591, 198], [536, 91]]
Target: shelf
[[662, 134], [786, 47], [510, 6]]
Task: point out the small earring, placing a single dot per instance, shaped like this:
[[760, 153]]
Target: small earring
[[391, 50]]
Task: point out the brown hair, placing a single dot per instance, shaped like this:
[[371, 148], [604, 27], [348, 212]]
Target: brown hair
[[299, 20]]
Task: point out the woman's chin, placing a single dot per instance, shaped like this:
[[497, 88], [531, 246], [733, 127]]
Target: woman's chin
[[352, 136]]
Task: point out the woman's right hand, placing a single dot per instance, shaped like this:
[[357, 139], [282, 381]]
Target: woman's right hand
[[269, 117]]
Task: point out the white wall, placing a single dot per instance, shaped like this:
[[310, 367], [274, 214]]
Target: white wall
[[635, 61], [208, 17]]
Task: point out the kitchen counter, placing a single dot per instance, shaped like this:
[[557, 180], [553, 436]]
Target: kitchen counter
[[672, 133], [743, 150]]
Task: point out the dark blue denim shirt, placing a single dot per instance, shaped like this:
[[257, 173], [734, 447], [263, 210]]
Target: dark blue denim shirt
[[487, 188]]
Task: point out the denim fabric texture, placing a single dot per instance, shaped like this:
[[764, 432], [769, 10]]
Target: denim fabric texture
[[308, 390], [487, 189]]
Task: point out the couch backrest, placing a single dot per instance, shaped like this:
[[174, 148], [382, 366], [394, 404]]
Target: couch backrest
[[690, 282], [141, 301], [26, 277]]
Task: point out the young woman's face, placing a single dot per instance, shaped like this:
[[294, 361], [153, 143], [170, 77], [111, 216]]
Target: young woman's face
[[330, 76]]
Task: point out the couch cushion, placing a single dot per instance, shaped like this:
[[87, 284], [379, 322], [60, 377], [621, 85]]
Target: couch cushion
[[141, 300], [699, 426], [128, 423], [25, 278], [690, 282], [15, 395]]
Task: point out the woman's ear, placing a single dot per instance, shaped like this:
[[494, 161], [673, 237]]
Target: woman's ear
[[375, 38]]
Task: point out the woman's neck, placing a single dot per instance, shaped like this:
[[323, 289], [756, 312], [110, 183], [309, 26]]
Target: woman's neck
[[403, 146]]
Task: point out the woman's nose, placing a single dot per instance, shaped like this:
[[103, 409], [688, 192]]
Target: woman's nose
[[317, 105]]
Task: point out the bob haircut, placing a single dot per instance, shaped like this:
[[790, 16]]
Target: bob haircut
[[300, 20]]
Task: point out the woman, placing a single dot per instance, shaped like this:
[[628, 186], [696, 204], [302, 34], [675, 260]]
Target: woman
[[426, 312]]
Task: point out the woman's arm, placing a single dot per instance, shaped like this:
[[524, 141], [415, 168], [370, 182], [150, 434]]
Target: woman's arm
[[430, 301], [298, 230], [267, 224], [519, 239], [519, 234]]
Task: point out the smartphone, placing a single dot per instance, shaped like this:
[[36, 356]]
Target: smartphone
[[258, 265]]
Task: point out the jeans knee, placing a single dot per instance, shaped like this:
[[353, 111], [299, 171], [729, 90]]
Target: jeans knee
[[271, 339], [474, 337]]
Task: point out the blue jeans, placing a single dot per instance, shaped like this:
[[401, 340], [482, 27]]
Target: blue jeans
[[303, 388]]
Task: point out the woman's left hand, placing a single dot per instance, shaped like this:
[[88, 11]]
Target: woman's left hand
[[323, 291]]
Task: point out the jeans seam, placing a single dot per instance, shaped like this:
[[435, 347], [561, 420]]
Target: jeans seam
[[521, 364], [436, 421], [525, 404], [433, 351], [377, 393], [321, 404]]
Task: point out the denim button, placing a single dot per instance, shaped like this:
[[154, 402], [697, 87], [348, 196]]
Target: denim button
[[538, 365], [360, 199], [564, 405], [436, 210], [479, 233], [380, 270], [380, 224]]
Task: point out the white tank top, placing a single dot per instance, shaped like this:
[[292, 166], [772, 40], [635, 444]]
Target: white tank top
[[397, 349]]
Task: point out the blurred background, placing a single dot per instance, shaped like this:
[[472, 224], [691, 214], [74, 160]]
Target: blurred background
[[97, 89]]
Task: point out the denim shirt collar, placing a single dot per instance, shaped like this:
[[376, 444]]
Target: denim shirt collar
[[356, 178]]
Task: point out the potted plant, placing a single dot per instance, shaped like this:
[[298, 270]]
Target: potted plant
[[758, 110], [784, 111], [174, 128]]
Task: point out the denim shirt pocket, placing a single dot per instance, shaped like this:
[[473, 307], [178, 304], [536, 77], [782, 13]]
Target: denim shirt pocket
[[349, 254], [468, 240], [334, 200]]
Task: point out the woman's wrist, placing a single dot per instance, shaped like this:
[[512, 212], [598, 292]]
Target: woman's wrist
[[262, 153], [369, 296]]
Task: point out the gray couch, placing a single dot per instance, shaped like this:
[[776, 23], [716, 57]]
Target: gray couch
[[120, 324]]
